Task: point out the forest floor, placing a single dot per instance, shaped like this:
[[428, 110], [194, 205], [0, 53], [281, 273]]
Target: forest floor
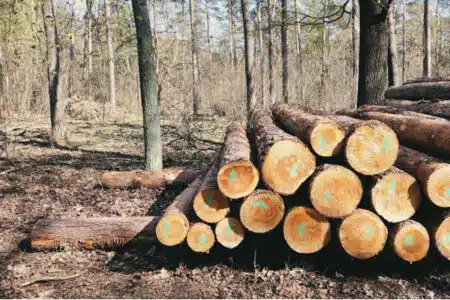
[[38, 181]]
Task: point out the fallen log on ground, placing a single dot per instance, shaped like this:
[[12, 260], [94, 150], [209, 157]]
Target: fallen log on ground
[[389, 110], [335, 191], [174, 225], [262, 211], [371, 147], [285, 162], [410, 241], [91, 233], [426, 79], [325, 136], [395, 195], [431, 172], [200, 237], [420, 91], [229, 232], [149, 179], [435, 108], [363, 234], [237, 176], [441, 237], [305, 230]]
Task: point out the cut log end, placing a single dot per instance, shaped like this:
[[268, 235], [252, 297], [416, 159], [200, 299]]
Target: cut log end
[[372, 148], [287, 165], [335, 191], [238, 179], [363, 234], [442, 237], [326, 139], [437, 186], [230, 232], [172, 229], [305, 230], [210, 205], [200, 238], [396, 196], [411, 241], [262, 211]]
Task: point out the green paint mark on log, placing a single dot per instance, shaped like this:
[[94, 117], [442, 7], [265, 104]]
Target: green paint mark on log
[[301, 229], [166, 228], [209, 199], [327, 197], [322, 142], [232, 175], [229, 228], [393, 185], [203, 239], [447, 193], [409, 240], [368, 231], [447, 239], [294, 169], [386, 143], [261, 204]]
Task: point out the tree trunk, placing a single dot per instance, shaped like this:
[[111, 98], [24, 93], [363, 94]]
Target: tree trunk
[[355, 46], [208, 34], [441, 237], [363, 234], [285, 162], [237, 176], [392, 58], [323, 135], [200, 237], [58, 135], [439, 109], [261, 53], [438, 39], [432, 173], [373, 57], [72, 51], [89, 34], [420, 91], [390, 110], [426, 39], [249, 59], [262, 211], [111, 70], [233, 58], [403, 41], [324, 67], [410, 241], [272, 95], [92, 233], [194, 56], [298, 39], [148, 87], [230, 232], [284, 52], [2, 84], [173, 227]]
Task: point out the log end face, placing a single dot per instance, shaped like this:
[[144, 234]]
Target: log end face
[[200, 238], [442, 238], [437, 186], [327, 139], [411, 242], [230, 232], [210, 205], [305, 230], [172, 229], [287, 165], [372, 148], [262, 211], [363, 234], [238, 179]]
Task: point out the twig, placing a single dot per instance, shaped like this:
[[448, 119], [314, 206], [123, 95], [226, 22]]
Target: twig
[[47, 279]]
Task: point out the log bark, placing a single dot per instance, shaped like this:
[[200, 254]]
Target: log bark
[[390, 110], [305, 230], [200, 237], [410, 241], [430, 135], [230, 232], [426, 79], [91, 233], [433, 174], [371, 147], [324, 136], [174, 225], [237, 176], [285, 162], [441, 237], [439, 108], [262, 211], [335, 191], [363, 234], [420, 91], [149, 179]]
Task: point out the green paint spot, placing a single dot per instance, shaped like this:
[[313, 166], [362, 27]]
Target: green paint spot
[[203, 239], [447, 239], [447, 193], [393, 185], [386, 143], [232, 175], [368, 232], [229, 228], [261, 204], [294, 169], [301, 229], [409, 240], [209, 199], [323, 143], [327, 197], [166, 228]]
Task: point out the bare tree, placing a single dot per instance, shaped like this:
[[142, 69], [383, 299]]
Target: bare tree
[[72, 50], [270, 9], [194, 55], [284, 51], [148, 86], [438, 39], [208, 34], [426, 40], [298, 39], [392, 58], [249, 62], [231, 40], [261, 51], [324, 69], [111, 68], [355, 46], [403, 41], [88, 36]]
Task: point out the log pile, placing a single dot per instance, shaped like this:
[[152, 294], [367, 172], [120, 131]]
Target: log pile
[[247, 186]]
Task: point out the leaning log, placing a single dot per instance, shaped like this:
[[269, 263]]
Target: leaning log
[[285, 162], [149, 179], [433, 174], [434, 108], [230, 232], [441, 237], [323, 135], [389, 110], [237, 176], [410, 241], [174, 225], [371, 147], [420, 91], [200, 237], [91, 233]]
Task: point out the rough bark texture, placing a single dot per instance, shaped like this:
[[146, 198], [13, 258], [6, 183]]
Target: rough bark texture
[[194, 57], [355, 45], [91, 233], [439, 109], [111, 67], [249, 57], [284, 52], [390, 110], [420, 91], [392, 59], [410, 241], [426, 39]]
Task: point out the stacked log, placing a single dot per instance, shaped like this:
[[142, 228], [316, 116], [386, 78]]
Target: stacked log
[[434, 108], [441, 237], [200, 237], [230, 232], [420, 91], [410, 241]]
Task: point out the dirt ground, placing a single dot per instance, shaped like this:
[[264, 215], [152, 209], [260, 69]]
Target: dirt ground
[[37, 181]]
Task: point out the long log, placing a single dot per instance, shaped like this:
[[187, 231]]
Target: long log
[[91, 233], [371, 147], [230, 232], [237, 176], [323, 135], [262, 211], [389, 110], [426, 79], [420, 91], [429, 135], [149, 179], [305, 230], [285, 162], [434, 108], [410, 241], [441, 237], [200, 237], [363, 234], [431, 172], [210, 205], [395, 195], [174, 225], [335, 191]]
